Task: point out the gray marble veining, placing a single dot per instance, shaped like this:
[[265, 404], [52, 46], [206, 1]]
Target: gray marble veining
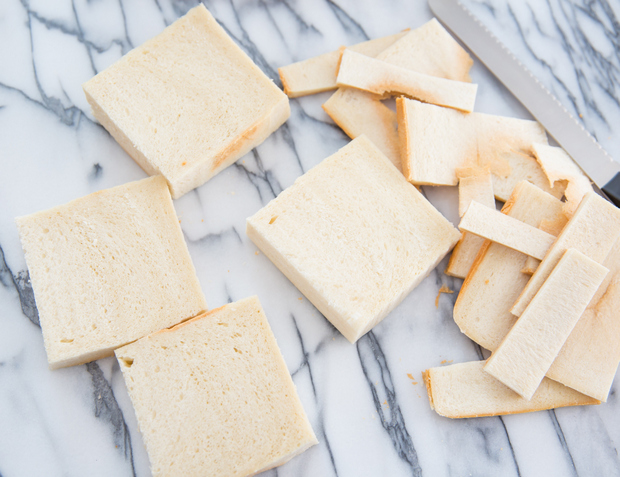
[[366, 402]]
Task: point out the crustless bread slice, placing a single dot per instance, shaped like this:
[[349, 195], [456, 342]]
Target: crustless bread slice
[[530, 347], [354, 236], [318, 74], [213, 395], [107, 269], [466, 390], [187, 103]]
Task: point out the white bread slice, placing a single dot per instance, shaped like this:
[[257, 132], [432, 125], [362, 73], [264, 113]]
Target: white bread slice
[[558, 166], [523, 358], [318, 74], [492, 225], [592, 230], [429, 49], [434, 142], [589, 359], [354, 236], [213, 395], [465, 390], [475, 183], [482, 309], [381, 78], [107, 269], [187, 103]]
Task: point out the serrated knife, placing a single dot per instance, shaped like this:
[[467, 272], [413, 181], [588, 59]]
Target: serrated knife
[[537, 99]]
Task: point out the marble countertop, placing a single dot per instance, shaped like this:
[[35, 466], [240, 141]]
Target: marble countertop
[[366, 402]]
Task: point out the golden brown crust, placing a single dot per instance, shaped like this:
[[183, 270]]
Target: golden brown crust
[[285, 85], [405, 145], [427, 382]]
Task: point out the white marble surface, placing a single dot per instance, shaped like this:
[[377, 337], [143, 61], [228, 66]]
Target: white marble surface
[[369, 416]]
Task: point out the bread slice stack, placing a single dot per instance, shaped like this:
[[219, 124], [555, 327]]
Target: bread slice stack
[[354, 236], [187, 103], [213, 395]]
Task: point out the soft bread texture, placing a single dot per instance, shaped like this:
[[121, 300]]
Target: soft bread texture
[[213, 395], [482, 309], [592, 230], [589, 359], [466, 390], [381, 78], [107, 269], [528, 350], [187, 103], [475, 183], [436, 141], [558, 166], [318, 74], [354, 236], [429, 49], [492, 225]]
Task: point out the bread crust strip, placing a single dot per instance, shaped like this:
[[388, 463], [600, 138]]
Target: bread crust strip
[[465, 390], [381, 78], [490, 224], [527, 352]]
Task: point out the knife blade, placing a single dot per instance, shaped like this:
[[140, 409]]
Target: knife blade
[[583, 148]]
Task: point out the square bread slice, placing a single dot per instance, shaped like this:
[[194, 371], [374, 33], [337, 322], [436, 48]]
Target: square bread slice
[[319, 73], [482, 309], [528, 350], [187, 103], [107, 269], [213, 395], [429, 49], [465, 390], [354, 236]]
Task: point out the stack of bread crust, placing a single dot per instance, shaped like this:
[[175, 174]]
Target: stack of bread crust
[[511, 262]]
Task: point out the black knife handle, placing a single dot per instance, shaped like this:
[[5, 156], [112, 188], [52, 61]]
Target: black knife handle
[[612, 190]]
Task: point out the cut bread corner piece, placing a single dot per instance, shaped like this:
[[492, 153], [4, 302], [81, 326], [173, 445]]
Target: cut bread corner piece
[[482, 309], [529, 349], [558, 166], [382, 78], [88, 260], [218, 388], [466, 390], [164, 105], [318, 74], [354, 236]]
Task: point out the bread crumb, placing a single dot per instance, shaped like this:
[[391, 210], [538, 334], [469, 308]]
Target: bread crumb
[[445, 361], [410, 376], [256, 253], [300, 298], [443, 289]]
